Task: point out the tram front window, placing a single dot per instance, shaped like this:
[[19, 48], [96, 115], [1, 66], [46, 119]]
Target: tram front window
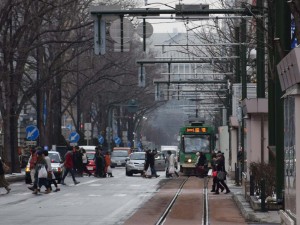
[[196, 143]]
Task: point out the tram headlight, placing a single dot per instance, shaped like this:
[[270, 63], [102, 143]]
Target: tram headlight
[[189, 160]]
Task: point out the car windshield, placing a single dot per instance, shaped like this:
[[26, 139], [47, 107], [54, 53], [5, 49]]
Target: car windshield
[[196, 143], [54, 157], [119, 154], [90, 155], [139, 156]]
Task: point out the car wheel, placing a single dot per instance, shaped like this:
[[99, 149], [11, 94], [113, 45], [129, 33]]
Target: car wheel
[[28, 179], [128, 173]]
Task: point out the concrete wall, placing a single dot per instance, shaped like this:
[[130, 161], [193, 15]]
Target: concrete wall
[[254, 137], [224, 144]]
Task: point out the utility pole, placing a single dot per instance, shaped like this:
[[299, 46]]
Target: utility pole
[[276, 111], [243, 58]]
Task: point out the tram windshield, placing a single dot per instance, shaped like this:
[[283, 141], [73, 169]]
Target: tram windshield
[[196, 143]]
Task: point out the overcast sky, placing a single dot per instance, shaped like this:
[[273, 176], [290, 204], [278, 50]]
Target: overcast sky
[[168, 26]]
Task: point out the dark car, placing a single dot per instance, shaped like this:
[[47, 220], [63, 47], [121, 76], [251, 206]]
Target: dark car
[[55, 164], [118, 158]]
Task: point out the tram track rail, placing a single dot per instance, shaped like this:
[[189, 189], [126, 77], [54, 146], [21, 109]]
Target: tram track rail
[[205, 213], [205, 218], [164, 215], [188, 200]]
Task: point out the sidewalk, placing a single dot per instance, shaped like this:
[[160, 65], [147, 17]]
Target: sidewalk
[[248, 213]]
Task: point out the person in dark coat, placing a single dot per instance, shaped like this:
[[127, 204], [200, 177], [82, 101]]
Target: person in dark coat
[[213, 163], [150, 161], [78, 165], [201, 165], [3, 181], [100, 163], [220, 166]]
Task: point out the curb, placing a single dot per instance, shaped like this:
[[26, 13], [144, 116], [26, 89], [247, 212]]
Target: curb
[[255, 216], [14, 178]]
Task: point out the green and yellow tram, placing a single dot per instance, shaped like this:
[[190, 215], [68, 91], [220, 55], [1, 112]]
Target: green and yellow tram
[[195, 137]]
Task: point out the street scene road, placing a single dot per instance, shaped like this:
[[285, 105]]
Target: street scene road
[[93, 201], [129, 200], [120, 89]]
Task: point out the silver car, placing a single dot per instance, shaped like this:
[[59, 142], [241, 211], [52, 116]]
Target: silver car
[[135, 163], [160, 162], [118, 158]]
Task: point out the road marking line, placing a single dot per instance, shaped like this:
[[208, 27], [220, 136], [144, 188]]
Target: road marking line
[[120, 195], [95, 185]]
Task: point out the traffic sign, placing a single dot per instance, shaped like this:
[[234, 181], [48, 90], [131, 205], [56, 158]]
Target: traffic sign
[[139, 144], [132, 106], [87, 126], [69, 126], [32, 132], [101, 139], [117, 140], [74, 137], [30, 143], [87, 133]]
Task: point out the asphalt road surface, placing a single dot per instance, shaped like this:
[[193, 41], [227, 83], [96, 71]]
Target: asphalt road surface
[[95, 201]]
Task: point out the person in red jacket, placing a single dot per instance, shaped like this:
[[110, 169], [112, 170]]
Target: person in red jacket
[[68, 167], [32, 161]]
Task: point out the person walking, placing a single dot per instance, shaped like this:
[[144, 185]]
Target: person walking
[[99, 161], [85, 162], [51, 177], [3, 181], [170, 165], [78, 165], [214, 172], [201, 165], [40, 177], [108, 169], [220, 166], [32, 161], [68, 168], [150, 162]]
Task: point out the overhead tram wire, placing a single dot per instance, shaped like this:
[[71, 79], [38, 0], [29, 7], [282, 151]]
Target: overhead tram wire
[[195, 18]]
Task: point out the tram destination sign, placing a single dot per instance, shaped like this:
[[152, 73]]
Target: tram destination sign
[[196, 130]]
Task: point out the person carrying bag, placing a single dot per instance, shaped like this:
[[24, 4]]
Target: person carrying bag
[[221, 173]]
